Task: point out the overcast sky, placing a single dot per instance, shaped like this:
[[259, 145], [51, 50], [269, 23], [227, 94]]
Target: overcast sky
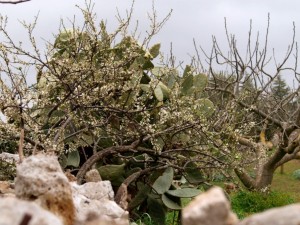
[[199, 19]]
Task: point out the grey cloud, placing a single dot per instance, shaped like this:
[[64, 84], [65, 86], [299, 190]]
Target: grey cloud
[[199, 19]]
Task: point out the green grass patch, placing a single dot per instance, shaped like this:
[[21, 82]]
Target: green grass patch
[[285, 182], [296, 174], [171, 219], [245, 203]]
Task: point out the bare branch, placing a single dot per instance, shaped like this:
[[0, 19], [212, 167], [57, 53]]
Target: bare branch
[[14, 2]]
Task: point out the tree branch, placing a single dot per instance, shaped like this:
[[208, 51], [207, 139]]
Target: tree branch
[[14, 2], [288, 157], [247, 181], [99, 155], [250, 107]]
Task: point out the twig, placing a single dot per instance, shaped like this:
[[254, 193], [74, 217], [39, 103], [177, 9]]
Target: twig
[[14, 2], [99, 155]]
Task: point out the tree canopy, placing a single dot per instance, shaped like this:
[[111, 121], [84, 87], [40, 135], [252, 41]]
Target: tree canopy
[[102, 101]]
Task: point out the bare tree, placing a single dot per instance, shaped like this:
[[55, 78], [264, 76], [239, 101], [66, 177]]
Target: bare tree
[[259, 132]]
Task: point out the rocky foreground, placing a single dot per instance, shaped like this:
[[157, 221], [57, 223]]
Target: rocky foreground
[[43, 194]]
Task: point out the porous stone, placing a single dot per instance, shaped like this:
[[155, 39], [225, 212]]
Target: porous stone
[[93, 175], [209, 208], [96, 198], [9, 158], [95, 190], [6, 189], [40, 178], [287, 215], [14, 211], [105, 220]]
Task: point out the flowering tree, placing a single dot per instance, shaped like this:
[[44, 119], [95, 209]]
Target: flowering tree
[[101, 92]]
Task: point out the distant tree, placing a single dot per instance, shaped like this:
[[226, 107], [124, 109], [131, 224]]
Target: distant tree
[[279, 88]]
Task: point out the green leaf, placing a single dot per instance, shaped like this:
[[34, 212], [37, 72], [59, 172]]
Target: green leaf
[[199, 82], [112, 172], [138, 161], [187, 71], [73, 158], [145, 87], [192, 174], [161, 92], [184, 193], [169, 203], [132, 171], [63, 38], [147, 65], [204, 107], [187, 85], [157, 71], [63, 161], [156, 210], [159, 144], [166, 91], [171, 78], [127, 98], [145, 79], [158, 93], [154, 50], [140, 197], [86, 140], [163, 182]]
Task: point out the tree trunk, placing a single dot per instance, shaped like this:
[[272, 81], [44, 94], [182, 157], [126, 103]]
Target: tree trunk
[[262, 181], [281, 169]]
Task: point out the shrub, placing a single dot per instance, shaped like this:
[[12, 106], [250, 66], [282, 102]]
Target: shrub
[[7, 171], [296, 174], [245, 203]]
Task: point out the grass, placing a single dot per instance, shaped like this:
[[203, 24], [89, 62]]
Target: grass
[[286, 182], [284, 190], [245, 203], [171, 219]]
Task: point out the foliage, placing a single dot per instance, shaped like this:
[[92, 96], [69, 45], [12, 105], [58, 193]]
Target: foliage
[[100, 101], [7, 170], [171, 218], [296, 174], [162, 196], [245, 203], [280, 89], [257, 115], [7, 145]]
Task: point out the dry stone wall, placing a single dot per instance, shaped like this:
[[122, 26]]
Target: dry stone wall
[[43, 195]]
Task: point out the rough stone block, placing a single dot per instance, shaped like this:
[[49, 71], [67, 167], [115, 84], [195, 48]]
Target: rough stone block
[[287, 215], [13, 211], [209, 208], [40, 178]]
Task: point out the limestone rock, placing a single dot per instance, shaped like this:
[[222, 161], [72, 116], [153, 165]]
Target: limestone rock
[[40, 178], [14, 211], [107, 208], [6, 189], [95, 190], [209, 208], [9, 158], [287, 215], [92, 176], [96, 198], [105, 220]]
